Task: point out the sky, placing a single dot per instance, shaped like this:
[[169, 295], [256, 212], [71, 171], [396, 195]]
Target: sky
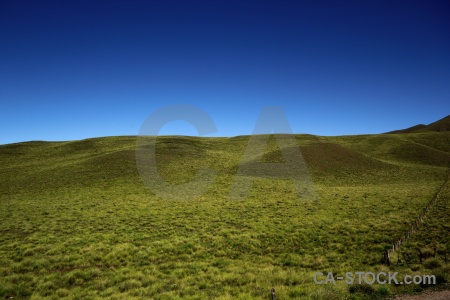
[[80, 69]]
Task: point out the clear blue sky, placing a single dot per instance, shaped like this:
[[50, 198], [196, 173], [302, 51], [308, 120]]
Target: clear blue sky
[[79, 69]]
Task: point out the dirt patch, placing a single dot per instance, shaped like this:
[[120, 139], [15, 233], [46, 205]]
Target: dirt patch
[[435, 295]]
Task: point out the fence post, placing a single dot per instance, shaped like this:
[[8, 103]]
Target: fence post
[[386, 257], [404, 257]]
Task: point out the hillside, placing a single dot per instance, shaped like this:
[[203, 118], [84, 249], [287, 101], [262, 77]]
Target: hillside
[[47, 165], [78, 221], [438, 126]]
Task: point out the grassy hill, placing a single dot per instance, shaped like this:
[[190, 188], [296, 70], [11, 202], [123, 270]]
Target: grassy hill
[[438, 126], [78, 222]]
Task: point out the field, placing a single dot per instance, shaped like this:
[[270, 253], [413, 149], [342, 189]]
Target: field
[[78, 222]]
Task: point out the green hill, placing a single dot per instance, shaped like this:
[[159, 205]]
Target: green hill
[[438, 126], [78, 221]]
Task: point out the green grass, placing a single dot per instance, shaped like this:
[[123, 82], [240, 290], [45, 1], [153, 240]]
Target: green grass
[[81, 224]]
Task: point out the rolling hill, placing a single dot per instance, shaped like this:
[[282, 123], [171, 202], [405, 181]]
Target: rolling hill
[[78, 221]]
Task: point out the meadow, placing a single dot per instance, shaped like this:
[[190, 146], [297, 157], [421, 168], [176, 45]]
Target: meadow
[[79, 223]]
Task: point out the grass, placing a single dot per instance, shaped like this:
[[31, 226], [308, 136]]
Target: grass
[[78, 222]]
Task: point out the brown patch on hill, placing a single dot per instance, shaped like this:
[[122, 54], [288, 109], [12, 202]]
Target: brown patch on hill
[[331, 158]]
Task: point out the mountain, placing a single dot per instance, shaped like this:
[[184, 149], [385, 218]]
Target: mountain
[[438, 126]]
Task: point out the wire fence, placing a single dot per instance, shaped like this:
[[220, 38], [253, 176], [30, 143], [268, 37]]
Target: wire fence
[[413, 227]]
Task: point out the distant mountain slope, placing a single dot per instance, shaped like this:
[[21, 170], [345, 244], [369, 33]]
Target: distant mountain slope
[[441, 125], [438, 126]]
